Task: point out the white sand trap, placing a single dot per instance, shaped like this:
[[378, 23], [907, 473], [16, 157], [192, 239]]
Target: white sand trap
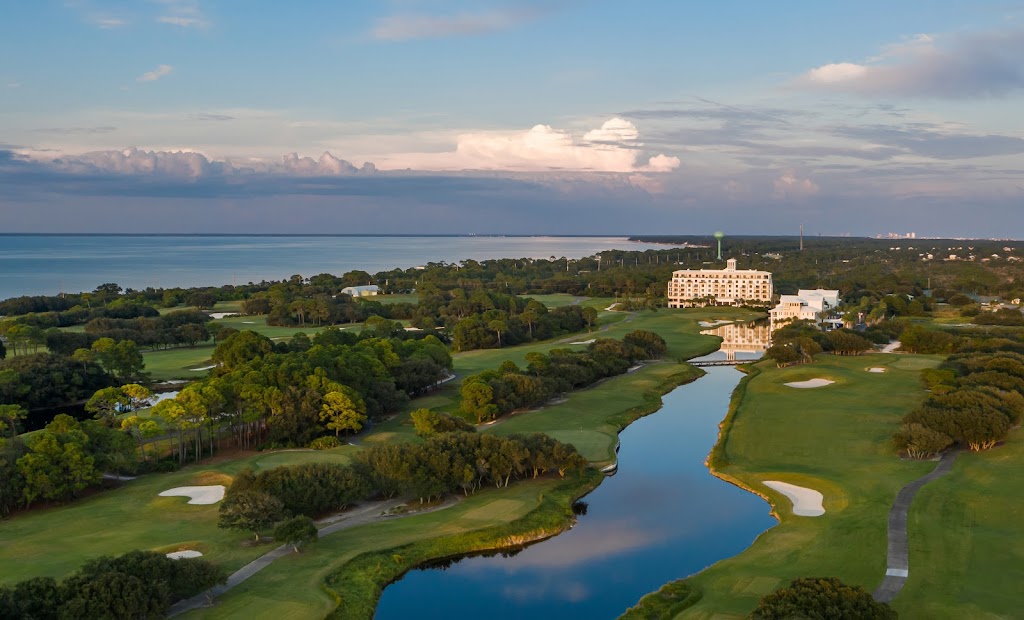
[[249, 322], [187, 553], [877, 369], [210, 494], [612, 307], [806, 502], [891, 347], [204, 368], [810, 383], [592, 340], [712, 323], [220, 315]]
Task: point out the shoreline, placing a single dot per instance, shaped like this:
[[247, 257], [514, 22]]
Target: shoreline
[[527, 536]]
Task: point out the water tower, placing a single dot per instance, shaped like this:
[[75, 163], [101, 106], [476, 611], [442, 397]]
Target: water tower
[[719, 235]]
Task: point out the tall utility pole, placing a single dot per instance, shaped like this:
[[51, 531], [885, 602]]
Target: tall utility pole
[[801, 237]]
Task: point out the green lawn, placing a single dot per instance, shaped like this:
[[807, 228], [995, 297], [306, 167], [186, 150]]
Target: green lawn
[[835, 439], [966, 548], [55, 541], [292, 586]]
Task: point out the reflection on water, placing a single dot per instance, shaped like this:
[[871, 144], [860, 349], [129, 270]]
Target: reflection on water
[[662, 517], [741, 341]]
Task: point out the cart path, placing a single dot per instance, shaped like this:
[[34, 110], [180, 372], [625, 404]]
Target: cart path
[[898, 558]]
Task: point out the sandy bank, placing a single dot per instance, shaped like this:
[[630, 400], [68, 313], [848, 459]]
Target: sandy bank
[[806, 502]]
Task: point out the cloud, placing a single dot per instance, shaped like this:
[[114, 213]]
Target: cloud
[[184, 22], [183, 14], [934, 142], [960, 66], [789, 185], [408, 26], [206, 116], [613, 147], [106, 23], [156, 74], [76, 130]]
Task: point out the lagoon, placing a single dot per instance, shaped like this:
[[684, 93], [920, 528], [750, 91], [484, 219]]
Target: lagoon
[[663, 516]]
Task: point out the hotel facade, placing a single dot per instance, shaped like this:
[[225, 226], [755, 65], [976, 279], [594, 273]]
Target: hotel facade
[[723, 287], [818, 306]]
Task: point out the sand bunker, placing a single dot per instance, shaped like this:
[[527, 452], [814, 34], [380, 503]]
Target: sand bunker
[[249, 322], [612, 307], [712, 323], [187, 553], [210, 494], [891, 347], [877, 369], [220, 315], [204, 368], [806, 502], [592, 340], [810, 383]]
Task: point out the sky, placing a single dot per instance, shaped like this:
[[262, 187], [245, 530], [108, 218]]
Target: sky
[[523, 117]]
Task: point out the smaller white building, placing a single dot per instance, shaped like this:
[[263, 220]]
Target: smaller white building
[[361, 291], [816, 305]]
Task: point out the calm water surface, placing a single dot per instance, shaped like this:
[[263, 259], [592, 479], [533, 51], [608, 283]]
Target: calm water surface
[[661, 517], [47, 265]]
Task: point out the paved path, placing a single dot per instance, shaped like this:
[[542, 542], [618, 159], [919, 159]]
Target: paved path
[[898, 560], [356, 516]]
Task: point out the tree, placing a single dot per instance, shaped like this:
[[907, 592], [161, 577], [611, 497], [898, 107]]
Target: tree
[[821, 598], [137, 396], [590, 316], [9, 416], [297, 531], [250, 511], [58, 466], [106, 403], [241, 347], [478, 401], [343, 410]]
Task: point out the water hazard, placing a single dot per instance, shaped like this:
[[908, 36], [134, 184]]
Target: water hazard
[[661, 517]]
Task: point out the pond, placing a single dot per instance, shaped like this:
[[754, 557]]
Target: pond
[[661, 517]]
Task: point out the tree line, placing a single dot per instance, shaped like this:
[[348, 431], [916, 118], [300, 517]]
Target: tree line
[[138, 584], [975, 399], [494, 393], [456, 462]]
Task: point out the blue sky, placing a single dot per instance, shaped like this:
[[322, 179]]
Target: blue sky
[[512, 117]]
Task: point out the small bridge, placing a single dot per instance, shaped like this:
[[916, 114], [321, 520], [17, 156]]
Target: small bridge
[[721, 362]]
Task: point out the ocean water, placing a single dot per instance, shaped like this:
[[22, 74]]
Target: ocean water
[[49, 264]]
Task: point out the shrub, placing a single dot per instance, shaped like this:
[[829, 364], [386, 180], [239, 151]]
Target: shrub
[[325, 443]]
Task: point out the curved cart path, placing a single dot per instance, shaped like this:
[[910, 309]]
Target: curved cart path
[[357, 516], [898, 561]]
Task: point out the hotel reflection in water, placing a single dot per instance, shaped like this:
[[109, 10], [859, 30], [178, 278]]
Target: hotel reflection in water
[[748, 339]]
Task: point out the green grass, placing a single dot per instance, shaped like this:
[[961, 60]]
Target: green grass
[[55, 541], [834, 439], [288, 588], [178, 363], [966, 548]]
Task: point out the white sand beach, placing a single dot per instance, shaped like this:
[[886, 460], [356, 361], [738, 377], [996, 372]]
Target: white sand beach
[[806, 502], [210, 494], [810, 383]]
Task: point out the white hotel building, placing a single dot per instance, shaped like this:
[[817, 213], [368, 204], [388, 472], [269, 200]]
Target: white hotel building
[[729, 287], [816, 305]]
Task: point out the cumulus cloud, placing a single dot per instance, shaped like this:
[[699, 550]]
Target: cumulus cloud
[[613, 147], [155, 74], [987, 64], [791, 186], [139, 162], [407, 26]]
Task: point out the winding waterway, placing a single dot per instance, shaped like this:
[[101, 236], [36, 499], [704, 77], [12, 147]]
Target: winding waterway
[[661, 517]]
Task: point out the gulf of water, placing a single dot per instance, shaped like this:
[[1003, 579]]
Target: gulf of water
[[663, 516], [49, 264]]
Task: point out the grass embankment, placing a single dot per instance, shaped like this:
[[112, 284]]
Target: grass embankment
[[834, 439]]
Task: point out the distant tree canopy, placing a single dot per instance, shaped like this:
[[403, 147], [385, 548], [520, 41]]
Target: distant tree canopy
[[821, 598]]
